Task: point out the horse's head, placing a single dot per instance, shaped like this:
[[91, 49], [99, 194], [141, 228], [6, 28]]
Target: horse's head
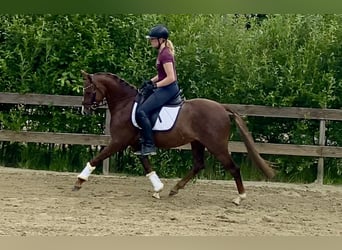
[[92, 93]]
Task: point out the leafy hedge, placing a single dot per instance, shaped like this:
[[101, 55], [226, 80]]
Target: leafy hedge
[[281, 60]]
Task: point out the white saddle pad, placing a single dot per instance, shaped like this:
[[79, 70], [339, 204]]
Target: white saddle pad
[[166, 118]]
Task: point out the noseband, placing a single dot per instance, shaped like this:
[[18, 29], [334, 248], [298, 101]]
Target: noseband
[[93, 104]]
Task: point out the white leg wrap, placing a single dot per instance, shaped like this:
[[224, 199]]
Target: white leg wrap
[[157, 184], [86, 172]]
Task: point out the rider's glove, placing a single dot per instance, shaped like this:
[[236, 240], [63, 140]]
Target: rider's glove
[[150, 86], [146, 83]]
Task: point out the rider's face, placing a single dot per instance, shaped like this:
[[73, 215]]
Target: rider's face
[[154, 42]]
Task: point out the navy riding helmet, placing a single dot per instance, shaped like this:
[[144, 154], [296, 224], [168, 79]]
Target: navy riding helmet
[[159, 31]]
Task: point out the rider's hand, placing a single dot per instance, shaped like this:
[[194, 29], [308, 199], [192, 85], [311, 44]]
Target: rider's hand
[[146, 83], [149, 87]]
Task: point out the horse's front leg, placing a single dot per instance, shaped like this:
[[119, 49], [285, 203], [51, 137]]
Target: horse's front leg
[[91, 165], [153, 177]]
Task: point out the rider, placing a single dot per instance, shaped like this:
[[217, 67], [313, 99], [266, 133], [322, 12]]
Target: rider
[[164, 86]]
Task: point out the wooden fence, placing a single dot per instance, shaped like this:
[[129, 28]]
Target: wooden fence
[[320, 151]]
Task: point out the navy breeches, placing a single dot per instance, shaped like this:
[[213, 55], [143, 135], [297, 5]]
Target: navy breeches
[[156, 100]]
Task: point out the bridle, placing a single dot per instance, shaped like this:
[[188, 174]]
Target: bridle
[[93, 104]]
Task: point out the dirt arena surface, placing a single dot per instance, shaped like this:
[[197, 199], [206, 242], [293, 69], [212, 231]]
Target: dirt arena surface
[[42, 203]]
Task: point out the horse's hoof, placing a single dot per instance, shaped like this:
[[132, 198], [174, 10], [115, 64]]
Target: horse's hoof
[[78, 184], [156, 195], [173, 192], [76, 188], [238, 199]]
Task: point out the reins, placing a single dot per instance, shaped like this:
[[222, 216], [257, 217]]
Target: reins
[[94, 105]]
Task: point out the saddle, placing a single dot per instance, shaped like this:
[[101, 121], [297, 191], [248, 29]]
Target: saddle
[[164, 118]]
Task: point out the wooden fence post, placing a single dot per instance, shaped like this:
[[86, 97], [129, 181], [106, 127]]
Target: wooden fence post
[[105, 167], [320, 167]]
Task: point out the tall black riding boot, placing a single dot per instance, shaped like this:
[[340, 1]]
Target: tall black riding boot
[[147, 147]]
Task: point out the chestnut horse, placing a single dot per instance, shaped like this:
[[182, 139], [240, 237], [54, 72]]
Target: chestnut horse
[[203, 123]]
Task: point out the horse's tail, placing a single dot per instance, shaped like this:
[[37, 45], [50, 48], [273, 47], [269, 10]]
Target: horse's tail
[[249, 142]]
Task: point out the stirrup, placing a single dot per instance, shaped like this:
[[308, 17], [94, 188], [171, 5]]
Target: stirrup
[[152, 152], [148, 150], [137, 152]]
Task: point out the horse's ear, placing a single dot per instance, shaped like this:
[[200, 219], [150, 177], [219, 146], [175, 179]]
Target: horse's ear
[[85, 74]]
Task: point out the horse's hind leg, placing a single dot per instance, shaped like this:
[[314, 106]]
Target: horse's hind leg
[[224, 157], [198, 164]]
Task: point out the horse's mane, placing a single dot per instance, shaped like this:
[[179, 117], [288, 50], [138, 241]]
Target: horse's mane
[[116, 77]]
